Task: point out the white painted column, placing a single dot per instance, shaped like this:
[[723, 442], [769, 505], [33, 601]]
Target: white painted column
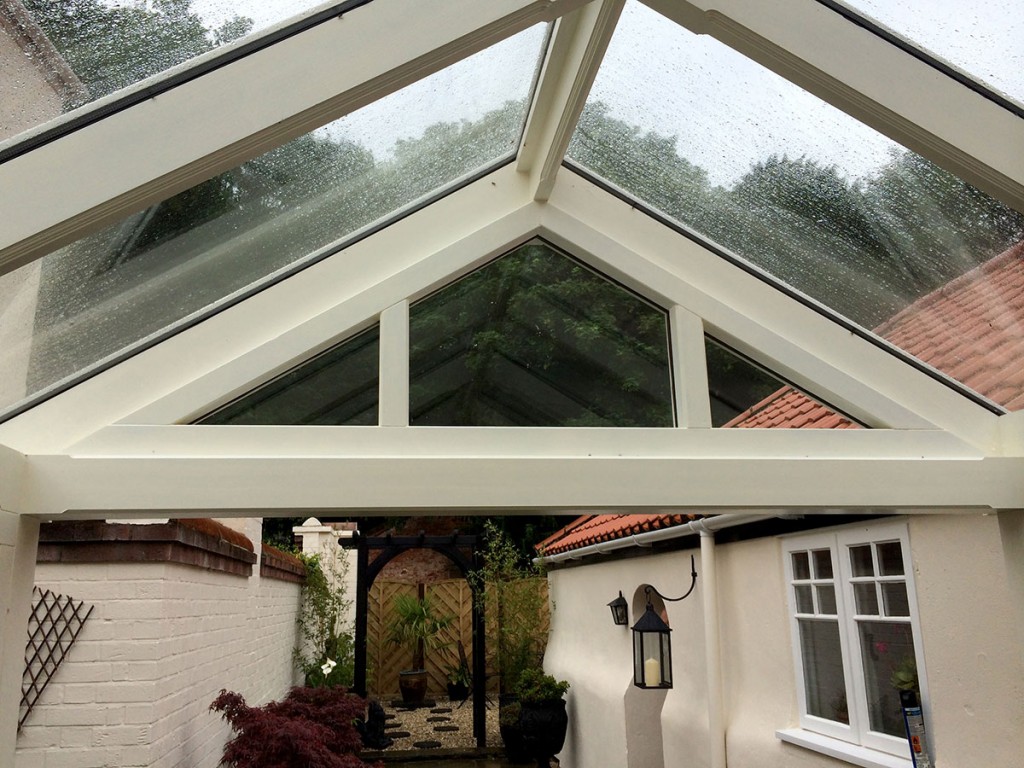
[[1011, 530], [713, 653], [394, 366], [19, 539]]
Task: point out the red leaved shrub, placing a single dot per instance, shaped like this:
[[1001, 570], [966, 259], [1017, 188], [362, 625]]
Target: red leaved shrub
[[309, 728]]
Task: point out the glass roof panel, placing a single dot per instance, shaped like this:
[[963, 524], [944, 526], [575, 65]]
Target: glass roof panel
[[981, 38], [187, 255], [56, 56], [336, 388], [688, 127], [745, 395], [537, 339]]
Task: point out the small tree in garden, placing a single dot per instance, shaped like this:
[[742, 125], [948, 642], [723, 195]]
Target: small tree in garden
[[326, 650], [310, 728]]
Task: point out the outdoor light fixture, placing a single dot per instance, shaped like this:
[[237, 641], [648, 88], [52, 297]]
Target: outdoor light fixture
[[652, 648], [620, 610]]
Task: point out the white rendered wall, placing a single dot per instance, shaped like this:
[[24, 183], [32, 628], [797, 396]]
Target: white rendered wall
[[162, 641], [973, 663]]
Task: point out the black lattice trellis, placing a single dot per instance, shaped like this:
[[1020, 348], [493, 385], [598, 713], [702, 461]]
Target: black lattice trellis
[[53, 626]]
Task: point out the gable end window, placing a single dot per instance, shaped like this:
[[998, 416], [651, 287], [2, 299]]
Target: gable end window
[[856, 635]]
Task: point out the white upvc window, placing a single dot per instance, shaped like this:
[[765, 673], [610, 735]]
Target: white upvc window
[[856, 637]]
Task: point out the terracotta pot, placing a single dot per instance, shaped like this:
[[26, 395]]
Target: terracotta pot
[[413, 685]]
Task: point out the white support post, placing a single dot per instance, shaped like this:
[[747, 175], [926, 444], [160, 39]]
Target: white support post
[[689, 370], [19, 539], [712, 651], [1011, 531], [393, 406]]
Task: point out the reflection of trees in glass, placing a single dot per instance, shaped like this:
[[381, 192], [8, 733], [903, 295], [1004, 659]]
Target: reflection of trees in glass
[[113, 46], [536, 339], [865, 248]]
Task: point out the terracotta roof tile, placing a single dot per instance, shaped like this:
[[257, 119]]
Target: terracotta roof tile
[[593, 529]]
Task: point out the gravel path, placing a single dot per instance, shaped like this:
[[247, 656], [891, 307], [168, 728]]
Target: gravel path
[[443, 724]]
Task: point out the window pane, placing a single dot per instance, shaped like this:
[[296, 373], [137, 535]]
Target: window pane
[[801, 570], [804, 599], [199, 249], [537, 339], [887, 650], [824, 681], [866, 598], [822, 563], [75, 52], [860, 561], [339, 387], [890, 558], [894, 597], [806, 193], [826, 599], [981, 38]]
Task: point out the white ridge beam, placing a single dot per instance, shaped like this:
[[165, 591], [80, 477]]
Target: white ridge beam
[[574, 56], [177, 139]]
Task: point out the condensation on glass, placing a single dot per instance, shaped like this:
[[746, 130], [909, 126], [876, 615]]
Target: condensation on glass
[[537, 339], [56, 56], [981, 38], [745, 395], [812, 197], [338, 387], [185, 255]]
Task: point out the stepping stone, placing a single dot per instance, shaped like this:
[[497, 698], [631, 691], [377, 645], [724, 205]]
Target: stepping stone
[[390, 715], [439, 719], [446, 728], [389, 726], [441, 710], [399, 734], [426, 744]]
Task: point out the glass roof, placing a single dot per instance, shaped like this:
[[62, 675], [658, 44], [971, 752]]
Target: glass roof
[[76, 52], [981, 38], [806, 193], [185, 256]]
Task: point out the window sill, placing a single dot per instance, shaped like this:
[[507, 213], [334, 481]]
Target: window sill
[[842, 750]]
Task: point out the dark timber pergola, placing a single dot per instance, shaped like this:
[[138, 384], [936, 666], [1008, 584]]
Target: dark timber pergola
[[461, 550]]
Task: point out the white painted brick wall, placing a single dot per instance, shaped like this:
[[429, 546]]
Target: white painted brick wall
[[162, 641]]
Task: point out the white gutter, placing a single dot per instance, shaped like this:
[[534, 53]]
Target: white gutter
[[646, 539]]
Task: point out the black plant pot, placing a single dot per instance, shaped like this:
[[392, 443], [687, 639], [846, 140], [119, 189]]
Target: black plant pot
[[458, 691], [543, 728], [413, 685], [511, 732]]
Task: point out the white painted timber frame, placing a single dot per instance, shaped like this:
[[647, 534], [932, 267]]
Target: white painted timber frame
[[117, 442]]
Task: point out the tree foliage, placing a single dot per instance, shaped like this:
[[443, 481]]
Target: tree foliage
[[323, 636]]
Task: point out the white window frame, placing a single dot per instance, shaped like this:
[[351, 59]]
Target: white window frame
[[839, 541]]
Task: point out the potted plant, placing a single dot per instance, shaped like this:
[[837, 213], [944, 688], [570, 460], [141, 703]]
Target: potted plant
[[418, 626], [459, 677], [543, 720]]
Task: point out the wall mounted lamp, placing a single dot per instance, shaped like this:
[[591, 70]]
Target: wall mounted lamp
[[652, 648], [620, 610]]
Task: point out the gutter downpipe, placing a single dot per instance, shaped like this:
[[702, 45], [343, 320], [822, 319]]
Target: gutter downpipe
[[705, 528]]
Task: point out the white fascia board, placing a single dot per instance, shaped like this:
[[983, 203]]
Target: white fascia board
[[872, 80], [577, 48], [799, 344], [165, 144], [227, 354], [230, 470]]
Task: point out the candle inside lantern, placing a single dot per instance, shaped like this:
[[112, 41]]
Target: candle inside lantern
[[652, 672]]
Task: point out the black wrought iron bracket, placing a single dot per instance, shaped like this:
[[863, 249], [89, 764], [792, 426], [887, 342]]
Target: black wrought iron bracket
[[693, 583]]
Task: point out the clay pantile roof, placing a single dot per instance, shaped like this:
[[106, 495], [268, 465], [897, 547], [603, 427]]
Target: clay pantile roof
[[592, 529], [971, 329]]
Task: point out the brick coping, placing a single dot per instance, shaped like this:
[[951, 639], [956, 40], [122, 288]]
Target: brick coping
[[284, 566], [92, 541]]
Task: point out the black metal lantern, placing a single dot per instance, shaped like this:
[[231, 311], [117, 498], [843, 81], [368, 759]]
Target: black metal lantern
[[620, 610], [652, 646], [652, 651]]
